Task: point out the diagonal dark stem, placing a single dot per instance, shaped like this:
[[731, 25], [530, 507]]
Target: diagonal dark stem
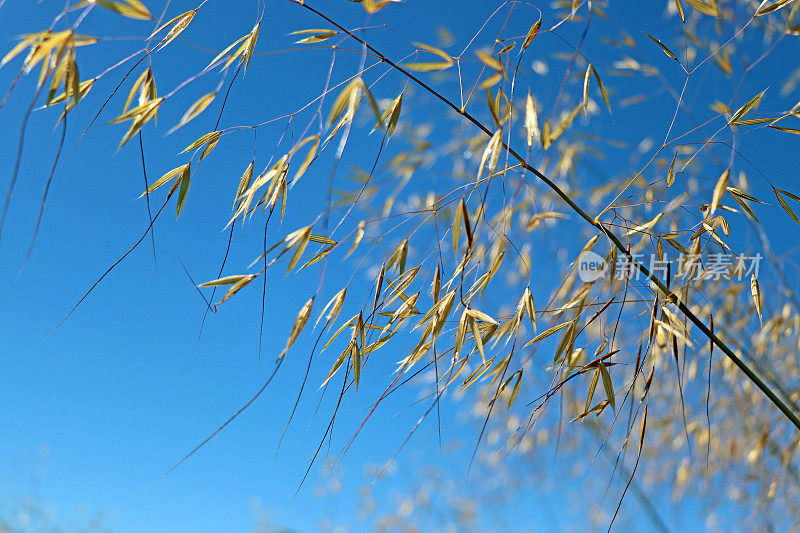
[[751, 375]]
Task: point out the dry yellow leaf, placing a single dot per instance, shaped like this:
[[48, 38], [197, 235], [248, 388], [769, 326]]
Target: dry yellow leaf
[[719, 190]]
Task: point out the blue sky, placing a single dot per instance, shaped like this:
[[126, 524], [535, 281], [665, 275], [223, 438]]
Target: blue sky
[[99, 409], [96, 411]]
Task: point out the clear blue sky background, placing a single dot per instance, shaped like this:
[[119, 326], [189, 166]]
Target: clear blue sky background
[[95, 412]]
